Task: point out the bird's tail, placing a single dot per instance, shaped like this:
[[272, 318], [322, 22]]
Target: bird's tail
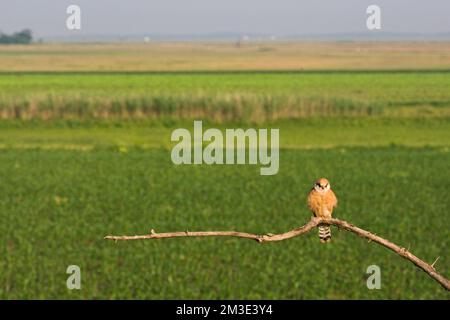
[[324, 233]]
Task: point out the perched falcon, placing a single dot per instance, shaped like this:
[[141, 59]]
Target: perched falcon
[[322, 201]]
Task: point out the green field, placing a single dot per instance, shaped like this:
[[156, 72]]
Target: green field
[[87, 154], [224, 97], [56, 206]]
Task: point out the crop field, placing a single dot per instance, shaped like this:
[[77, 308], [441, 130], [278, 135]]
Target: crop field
[[225, 56], [221, 97], [57, 205], [85, 151]]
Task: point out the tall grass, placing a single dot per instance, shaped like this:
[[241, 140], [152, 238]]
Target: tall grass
[[219, 108], [223, 97]]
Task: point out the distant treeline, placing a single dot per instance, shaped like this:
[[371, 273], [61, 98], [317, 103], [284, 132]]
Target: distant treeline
[[22, 37]]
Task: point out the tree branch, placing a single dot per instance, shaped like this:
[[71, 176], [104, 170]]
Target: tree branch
[[429, 269]]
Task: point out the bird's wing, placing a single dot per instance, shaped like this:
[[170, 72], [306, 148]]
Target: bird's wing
[[312, 203], [334, 200]]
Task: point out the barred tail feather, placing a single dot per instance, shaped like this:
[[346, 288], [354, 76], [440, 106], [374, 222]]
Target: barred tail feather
[[324, 233]]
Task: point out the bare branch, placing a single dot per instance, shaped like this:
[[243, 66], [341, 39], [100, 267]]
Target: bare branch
[[399, 250], [260, 238], [429, 269]]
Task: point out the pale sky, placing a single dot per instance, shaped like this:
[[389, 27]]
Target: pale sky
[[275, 17]]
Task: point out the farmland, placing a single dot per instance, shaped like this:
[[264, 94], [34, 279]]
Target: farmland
[[225, 56], [85, 152], [222, 97], [57, 205]]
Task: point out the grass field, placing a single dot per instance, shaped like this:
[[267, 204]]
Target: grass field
[[85, 153], [56, 206], [223, 97], [318, 133], [226, 56]]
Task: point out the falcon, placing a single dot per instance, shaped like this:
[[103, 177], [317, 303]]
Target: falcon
[[322, 201]]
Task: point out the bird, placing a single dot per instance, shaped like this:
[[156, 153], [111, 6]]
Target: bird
[[322, 201]]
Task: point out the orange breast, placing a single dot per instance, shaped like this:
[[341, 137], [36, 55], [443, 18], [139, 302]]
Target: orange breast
[[321, 205]]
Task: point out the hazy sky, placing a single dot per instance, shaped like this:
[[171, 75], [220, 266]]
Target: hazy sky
[[277, 17]]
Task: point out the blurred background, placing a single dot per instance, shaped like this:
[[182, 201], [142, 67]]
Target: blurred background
[[86, 117]]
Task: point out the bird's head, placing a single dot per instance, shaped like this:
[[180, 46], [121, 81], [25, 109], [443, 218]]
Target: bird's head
[[322, 185]]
